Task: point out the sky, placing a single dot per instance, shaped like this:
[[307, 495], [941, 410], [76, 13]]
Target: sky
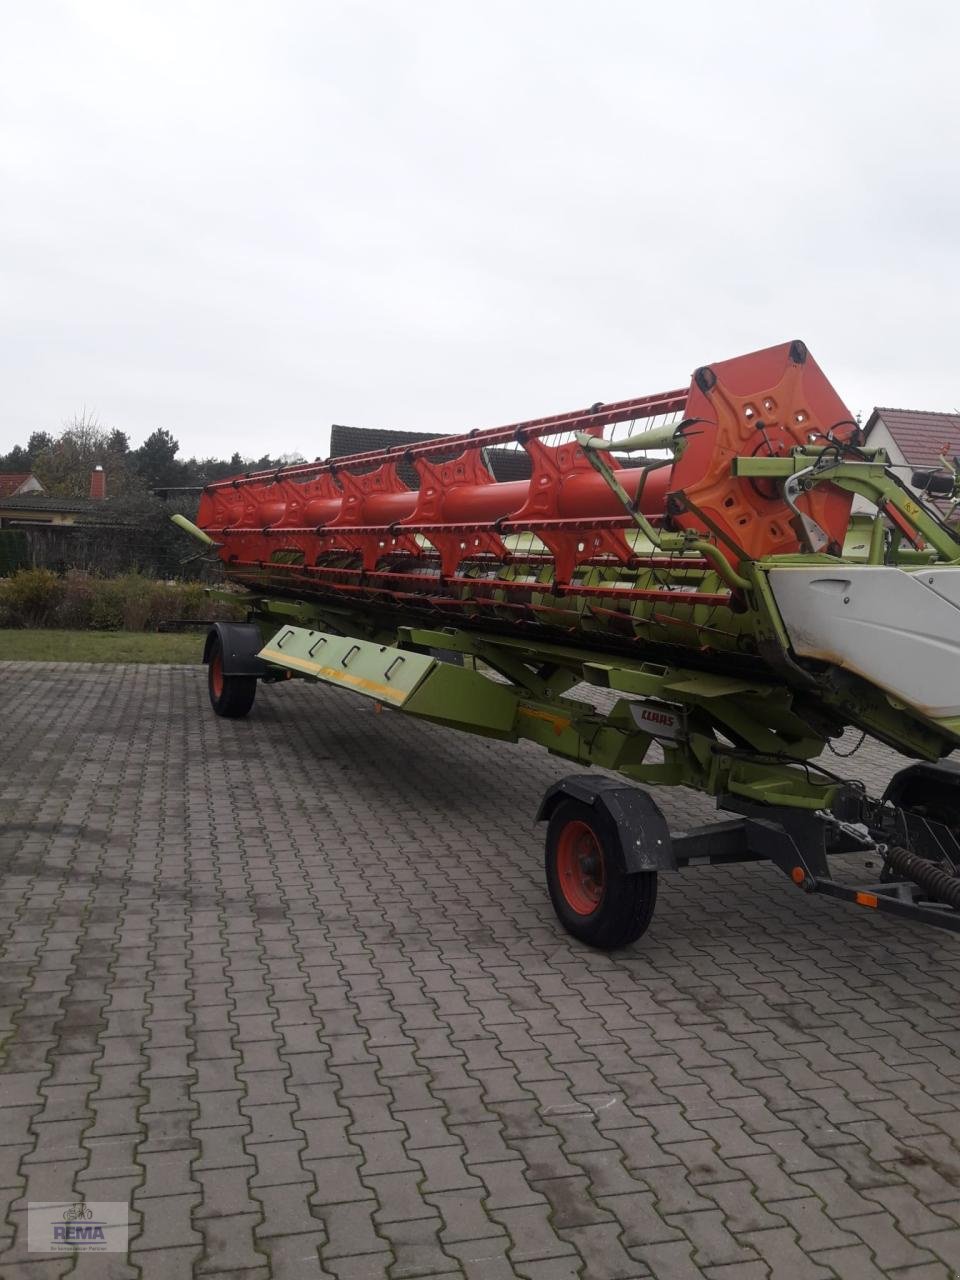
[[242, 222]]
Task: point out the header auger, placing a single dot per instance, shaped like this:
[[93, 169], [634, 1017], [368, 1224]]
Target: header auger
[[696, 553]]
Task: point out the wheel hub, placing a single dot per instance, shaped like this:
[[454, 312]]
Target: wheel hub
[[216, 674], [580, 868]]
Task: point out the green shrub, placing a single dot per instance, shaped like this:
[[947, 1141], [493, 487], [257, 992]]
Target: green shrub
[[75, 609], [148, 603], [78, 600], [29, 598], [108, 604], [196, 604]]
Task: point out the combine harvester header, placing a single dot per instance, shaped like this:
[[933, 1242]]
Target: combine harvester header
[[692, 551]]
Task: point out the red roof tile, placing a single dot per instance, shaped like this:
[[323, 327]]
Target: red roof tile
[[10, 481], [920, 436]]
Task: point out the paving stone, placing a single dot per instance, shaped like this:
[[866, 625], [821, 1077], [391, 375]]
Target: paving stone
[[674, 1192], [600, 1246], [464, 1216], [855, 1262], [338, 1058], [888, 1245], [10, 1158], [738, 1271], [277, 1163], [229, 1246], [166, 1222], [742, 1210], [350, 1229], [223, 1148], [945, 1245], [224, 1192], [337, 1181], [287, 1211], [641, 1151], [294, 1257], [544, 1158], [48, 1181], [167, 1173], [93, 1266], [531, 1232], [416, 1248], [912, 1216], [671, 1259], [715, 1246], [557, 1269], [398, 1198], [41, 1269], [360, 1266], [507, 1185], [168, 1264]]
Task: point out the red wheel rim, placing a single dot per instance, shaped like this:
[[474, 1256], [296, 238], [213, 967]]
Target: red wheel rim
[[216, 674], [580, 868]]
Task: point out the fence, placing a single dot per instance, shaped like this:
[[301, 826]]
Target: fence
[[104, 549]]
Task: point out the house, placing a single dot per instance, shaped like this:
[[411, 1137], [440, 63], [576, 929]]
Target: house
[[24, 508], [913, 438], [29, 503], [506, 464], [13, 483]]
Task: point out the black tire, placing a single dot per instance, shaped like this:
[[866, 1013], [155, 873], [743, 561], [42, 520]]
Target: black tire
[[596, 901], [230, 696], [944, 809], [934, 798]]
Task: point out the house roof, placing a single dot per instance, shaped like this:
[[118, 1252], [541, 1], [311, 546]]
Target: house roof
[[920, 436], [41, 502], [506, 464], [11, 481], [347, 440]]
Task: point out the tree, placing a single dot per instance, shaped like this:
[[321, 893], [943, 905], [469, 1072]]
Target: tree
[[39, 441], [156, 461], [16, 460], [63, 464], [22, 459], [201, 471], [64, 467]]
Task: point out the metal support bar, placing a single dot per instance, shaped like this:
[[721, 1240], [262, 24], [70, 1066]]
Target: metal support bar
[[580, 419], [871, 480], [888, 900], [665, 541], [798, 844]]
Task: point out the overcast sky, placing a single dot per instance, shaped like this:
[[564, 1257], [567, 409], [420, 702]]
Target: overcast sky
[[243, 222]]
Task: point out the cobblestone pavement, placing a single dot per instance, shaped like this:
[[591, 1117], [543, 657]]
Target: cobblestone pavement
[[292, 987]]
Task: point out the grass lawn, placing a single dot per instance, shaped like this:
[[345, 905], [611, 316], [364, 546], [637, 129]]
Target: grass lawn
[[100, 646]]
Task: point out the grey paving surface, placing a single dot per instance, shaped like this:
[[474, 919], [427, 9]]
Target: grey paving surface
[[292, 988]]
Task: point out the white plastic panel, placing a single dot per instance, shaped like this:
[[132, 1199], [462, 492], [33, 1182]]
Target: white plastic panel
[[899, 630]]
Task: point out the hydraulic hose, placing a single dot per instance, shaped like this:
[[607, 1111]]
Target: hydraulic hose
[[940, 884]]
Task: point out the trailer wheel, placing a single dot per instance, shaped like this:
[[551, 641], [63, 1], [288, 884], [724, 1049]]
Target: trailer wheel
[[938, 807], [932, 792], [595, 900], [230, 696]]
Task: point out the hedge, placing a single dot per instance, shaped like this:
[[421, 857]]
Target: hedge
[[132, 602], [13, 551]]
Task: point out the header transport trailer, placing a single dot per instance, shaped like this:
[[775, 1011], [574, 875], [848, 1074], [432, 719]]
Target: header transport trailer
[[694, 552]]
